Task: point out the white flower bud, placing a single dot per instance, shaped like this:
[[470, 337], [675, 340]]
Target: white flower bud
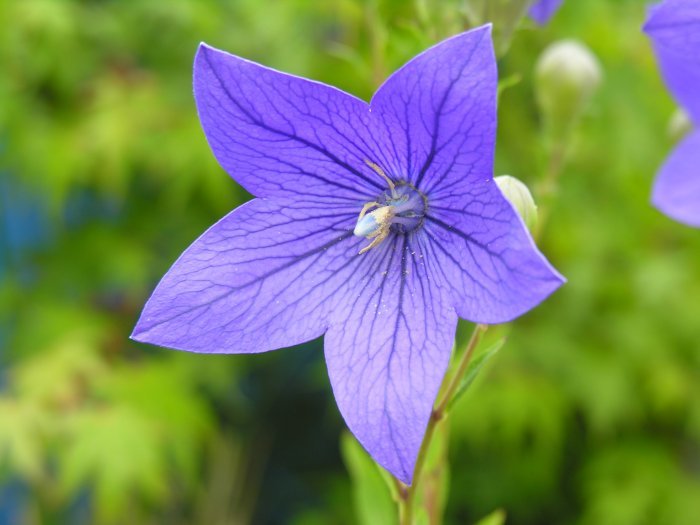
[[518, 194], [566, 76], [679, 125]]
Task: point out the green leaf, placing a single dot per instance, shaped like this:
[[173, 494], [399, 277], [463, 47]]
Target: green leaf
[[371, 493], [20, 438], [161, 394], [508, 82], [497, 517], [62, 374], [475, 368], [118, 453]]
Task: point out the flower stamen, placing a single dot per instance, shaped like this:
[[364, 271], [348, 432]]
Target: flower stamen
[[400, 209], [375, 225], [382, 174]]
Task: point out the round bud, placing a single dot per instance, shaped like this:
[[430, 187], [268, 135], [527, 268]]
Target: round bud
[[518, 194], [567, 75]]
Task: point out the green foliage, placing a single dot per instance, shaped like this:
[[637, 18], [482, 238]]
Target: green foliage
[[123, 431], [371, 488], [434, 487], [475, 367], [497, 517], [98, 443], [20, 445]]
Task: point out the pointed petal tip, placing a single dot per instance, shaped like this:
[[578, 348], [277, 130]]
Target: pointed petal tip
[[403, 473], [558, 280], [557, 276], [203, 49], [138, 334], [207, 52], [403, 477], [546, 289], [147, 335], [485, 30], [143, 332], [649, 24]]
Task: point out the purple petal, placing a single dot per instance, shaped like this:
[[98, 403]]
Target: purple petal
[[542, 11], [486, 256], [276, 133], [261, 278], [677, 188], [440, 111], [674, 27], [387, 349]]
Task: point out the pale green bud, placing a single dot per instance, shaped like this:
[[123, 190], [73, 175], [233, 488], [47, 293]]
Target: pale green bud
[[567, 75], [679, 125], [518, 194]]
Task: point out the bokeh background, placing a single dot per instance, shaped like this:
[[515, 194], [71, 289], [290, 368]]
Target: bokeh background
[[589, 415]]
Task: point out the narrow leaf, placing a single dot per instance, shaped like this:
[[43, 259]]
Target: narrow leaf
[[371, 492], [497, 517], [475, 368], [508, 82]]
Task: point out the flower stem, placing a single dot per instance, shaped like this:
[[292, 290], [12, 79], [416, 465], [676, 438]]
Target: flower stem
[[549, 185], [377, 38], [407, 493]]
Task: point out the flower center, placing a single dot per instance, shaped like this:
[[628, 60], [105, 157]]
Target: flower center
[[399, 209]]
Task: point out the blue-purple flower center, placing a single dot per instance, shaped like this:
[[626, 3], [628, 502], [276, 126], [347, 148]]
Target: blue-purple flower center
[[409, 207], [400, 209]]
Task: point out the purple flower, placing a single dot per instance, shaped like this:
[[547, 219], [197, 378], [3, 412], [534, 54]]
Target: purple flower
[[376, 225], [674, 28], [543, 10]]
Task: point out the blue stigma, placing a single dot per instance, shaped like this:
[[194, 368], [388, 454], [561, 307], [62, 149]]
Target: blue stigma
[[365, 226]]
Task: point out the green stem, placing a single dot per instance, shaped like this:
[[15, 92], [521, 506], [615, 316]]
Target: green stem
[[407, 493], [550, 184], [377, 39]]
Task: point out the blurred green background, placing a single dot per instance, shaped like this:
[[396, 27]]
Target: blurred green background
[[589, 415]]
